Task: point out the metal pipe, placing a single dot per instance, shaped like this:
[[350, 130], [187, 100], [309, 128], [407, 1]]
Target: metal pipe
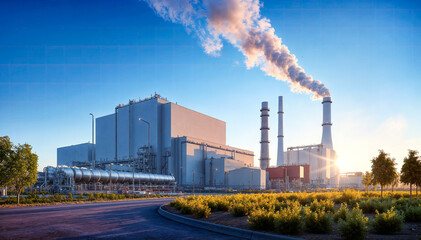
[[133, 177], [216, 147], [149, 131], [116, 115], [280, 160], [93, 140], [88, 175], [130, 130]]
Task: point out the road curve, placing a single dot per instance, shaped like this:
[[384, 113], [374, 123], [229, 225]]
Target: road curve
[[135, 219]]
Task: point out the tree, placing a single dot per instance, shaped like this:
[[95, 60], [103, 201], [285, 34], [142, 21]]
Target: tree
[[395, 182], [418, 181], [6, 155], [383, 170], [18, 165], [410, 171], [367, 180], [418, 174]]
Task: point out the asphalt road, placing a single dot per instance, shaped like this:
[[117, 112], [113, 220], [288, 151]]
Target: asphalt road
[[135, 219]]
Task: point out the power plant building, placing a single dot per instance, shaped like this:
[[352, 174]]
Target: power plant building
[[162, 138], [321, 158]]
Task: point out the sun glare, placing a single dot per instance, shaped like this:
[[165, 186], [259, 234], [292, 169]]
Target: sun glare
[[340, 162]]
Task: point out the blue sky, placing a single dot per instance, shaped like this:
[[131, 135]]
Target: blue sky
[[61, 60]]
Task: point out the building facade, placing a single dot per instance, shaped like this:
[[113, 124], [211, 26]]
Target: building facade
[[161, 137]]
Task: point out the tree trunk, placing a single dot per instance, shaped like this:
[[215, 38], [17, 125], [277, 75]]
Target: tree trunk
[[381, 192], [416, 191], [392, 188], [18, 193], [410, 190]]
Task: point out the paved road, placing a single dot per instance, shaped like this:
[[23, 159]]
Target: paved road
[[136, 219]]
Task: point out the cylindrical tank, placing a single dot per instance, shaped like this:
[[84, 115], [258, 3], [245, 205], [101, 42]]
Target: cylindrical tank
[[86, 175], [128, 177], [114, 176], [77, 174], [68, 172], [105, 176], [50, 172], [96, 176]]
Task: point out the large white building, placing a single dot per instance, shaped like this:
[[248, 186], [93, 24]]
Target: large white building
[[164, 138]]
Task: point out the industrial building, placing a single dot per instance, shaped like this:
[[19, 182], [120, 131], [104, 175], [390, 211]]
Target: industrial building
[[158, 137], [247, 178], [321, 158], [286, 177], [154, 142], [351, 180]]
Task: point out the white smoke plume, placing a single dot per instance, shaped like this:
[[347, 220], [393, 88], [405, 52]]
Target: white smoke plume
[[240, 23]]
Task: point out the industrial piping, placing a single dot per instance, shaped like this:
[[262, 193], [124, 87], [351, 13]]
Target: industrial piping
[[280, 160], [264, 143], [90, 175], [327, 123]]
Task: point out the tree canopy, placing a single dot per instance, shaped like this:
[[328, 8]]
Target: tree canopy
[[411, 169], [367, 179], [18, 165], [6, 155], [383, 170]]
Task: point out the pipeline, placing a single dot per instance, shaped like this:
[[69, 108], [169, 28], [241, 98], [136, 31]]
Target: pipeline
[[94, 175]]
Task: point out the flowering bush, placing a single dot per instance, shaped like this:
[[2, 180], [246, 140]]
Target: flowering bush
[[325, 205], [261, 220], [341, 213], [388, 222], [318, 221], [288, 220], [354, 226]]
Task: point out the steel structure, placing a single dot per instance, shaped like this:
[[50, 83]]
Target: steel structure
[[67, 179], [280, 160], [327, 123], [264, 142]]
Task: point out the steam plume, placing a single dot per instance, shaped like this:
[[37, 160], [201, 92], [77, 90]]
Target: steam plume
[[240, 23]]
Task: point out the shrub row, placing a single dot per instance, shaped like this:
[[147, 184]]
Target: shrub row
[[291, 213], [35, 199]]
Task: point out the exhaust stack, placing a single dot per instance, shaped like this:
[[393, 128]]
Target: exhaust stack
[[327, 123], [264, 143], [280, 159]]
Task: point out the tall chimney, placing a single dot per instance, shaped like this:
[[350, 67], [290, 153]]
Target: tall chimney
[[280, 159], [264, 143], [327, 123]]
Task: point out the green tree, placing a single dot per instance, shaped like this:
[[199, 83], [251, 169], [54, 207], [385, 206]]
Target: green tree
[[418, 182], [410, 171], [383, 170], [6, 155], [367, 180], [396, 181], [18, 165]]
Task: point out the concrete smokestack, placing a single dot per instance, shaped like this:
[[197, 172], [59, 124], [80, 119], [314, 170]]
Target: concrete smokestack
[[264, 143], [327, 123], [280, 159]]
